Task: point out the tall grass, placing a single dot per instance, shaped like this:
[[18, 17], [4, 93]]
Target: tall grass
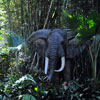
[[94, 51]]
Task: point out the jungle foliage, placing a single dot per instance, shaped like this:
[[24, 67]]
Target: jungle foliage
[[86, 26], [18, 19]]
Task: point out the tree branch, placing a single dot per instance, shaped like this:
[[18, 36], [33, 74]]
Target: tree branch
[[48, 14]]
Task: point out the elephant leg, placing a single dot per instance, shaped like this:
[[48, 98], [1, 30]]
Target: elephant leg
[[67, 71]]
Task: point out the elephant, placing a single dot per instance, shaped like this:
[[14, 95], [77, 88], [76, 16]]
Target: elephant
[[54, 45]]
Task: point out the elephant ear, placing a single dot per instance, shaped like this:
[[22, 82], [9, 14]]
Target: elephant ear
[[40, 34]]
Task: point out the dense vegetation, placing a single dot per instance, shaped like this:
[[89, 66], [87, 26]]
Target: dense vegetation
[[18, 19]]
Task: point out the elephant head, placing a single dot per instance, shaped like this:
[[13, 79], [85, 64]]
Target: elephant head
[[54, 51], [50, 44]]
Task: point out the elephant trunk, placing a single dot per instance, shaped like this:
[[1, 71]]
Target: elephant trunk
[[52, 68], [51, 59]]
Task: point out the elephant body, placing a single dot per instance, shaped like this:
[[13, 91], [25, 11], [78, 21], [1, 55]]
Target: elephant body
[[53, 45]]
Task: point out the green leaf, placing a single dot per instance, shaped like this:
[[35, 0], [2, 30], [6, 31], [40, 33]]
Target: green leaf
[[28, 97], [0, 96], [1, 37], [86, 89], [36, 89], [98, 97], [4, 98], [91, 23], [80, 18], [70, 16]]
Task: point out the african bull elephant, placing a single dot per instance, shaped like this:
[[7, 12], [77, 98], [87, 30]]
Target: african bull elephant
[[53, 45]]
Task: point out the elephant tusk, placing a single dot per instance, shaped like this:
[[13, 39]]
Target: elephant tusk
[[46, 64], [62, 65]]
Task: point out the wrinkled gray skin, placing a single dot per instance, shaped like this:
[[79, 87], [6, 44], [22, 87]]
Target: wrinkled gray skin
[[54, 50], [38, 40], [48, 44], [54, 44]]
